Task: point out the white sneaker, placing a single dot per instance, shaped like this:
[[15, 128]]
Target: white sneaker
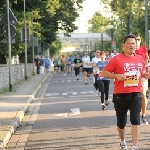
[[134, 148], [96, 94], [123, 147], [103, 106]]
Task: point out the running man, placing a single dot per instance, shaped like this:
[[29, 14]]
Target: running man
[[96, 71], [87, 68], [142, 50]]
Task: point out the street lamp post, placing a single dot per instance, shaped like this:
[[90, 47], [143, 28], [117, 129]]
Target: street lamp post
[[25, 40]]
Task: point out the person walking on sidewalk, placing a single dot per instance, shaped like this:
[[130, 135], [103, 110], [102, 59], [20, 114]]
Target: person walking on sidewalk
[[103, 83], [127, 68], [77, 61], [47, 64], [42, 64], [142, 50], [37, 64]]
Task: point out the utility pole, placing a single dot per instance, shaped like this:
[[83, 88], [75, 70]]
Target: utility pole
[[130, 18], [25, 40], [33, 46], [146, 23], [9, 47]]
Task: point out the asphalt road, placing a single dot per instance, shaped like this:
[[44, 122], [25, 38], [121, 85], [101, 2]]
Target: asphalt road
[[69, 117]]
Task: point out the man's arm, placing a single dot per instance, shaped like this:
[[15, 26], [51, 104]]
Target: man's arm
[[110, 75], [146, 58]]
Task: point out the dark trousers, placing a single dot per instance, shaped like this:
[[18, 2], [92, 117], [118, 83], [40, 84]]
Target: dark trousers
[[77, 71], [104, 88], [96, 82], [124, 102], [38, 69]]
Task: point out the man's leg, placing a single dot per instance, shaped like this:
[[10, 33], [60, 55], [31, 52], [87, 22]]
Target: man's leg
[[144, 101], [121, 107], [85, 76], [121, 133], [135, 109], [135, 130]]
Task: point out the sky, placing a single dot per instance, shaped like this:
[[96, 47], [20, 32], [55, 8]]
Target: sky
[[89, 9]]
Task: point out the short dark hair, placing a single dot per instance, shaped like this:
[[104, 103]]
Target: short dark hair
[[102, 52], [129, 36]]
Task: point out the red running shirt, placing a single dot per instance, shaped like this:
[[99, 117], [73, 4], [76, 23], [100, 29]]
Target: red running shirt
[[131, 66]]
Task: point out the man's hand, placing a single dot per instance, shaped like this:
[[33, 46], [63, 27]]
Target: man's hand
[[120, 77]]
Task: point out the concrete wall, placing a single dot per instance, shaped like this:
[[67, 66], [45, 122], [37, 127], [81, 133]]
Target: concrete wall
[[17, 74]]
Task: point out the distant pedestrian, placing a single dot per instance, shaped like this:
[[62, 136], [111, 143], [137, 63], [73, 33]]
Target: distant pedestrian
[[103, 83], [77, 61], [47, 64], [63, 64], [42, 64], [37, 64]]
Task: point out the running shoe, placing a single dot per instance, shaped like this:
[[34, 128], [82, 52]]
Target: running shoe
[[123, 147], [103, 106], [106, 103], [96, 94], [134, 148], [143, 120]]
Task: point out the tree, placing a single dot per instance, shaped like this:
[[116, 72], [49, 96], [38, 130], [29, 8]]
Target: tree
[[122, 10], [50, 16]]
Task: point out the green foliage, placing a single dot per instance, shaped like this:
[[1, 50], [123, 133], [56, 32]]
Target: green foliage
[[49, 16], [121, 10]]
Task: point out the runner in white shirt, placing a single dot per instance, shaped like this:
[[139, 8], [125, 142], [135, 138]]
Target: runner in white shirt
[[87, 68], [96, 71], [114, 54]]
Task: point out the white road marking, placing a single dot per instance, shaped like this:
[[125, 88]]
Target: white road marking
[[75, 111], [61, 115], [82, 96], [87, 92], [73, 93], [52, 94]]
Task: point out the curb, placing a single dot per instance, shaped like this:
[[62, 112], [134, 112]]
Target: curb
[[11, 128]]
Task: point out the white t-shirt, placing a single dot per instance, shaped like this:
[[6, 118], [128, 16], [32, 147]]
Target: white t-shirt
[[94, 61], [86, 62], [113, 55]]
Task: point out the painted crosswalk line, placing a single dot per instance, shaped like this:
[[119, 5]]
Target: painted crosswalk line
[[87, 92], [73, 93], [70, 93], [52, 94]]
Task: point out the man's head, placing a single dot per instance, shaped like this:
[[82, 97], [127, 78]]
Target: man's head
[[129, 44], [93, 53], [97, 53], [86, 54], [115, 51], [138, 39], [103, 55], [77, 56]]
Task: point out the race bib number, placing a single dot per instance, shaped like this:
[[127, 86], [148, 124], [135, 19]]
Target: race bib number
[[132, 78]]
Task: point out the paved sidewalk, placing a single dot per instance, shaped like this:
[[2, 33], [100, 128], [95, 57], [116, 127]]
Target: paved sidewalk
[[13, 105]]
